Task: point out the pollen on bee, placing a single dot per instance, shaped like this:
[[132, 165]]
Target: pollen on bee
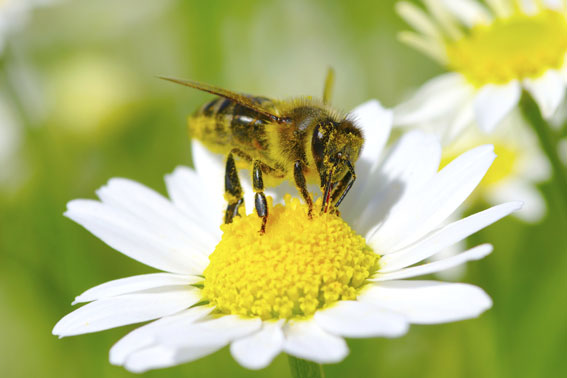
[[296, 268]]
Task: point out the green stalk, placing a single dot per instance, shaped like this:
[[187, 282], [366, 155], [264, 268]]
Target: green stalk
[[548, 144], [305, 369]]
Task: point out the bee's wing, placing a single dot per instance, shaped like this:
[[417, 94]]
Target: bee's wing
[[233, 96]]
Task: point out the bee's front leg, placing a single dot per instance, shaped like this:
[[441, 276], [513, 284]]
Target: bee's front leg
[[259, 198], [341, 190], [232, 190], [302, 185]]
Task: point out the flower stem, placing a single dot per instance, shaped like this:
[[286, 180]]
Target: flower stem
[[548, 143], [305, 369]]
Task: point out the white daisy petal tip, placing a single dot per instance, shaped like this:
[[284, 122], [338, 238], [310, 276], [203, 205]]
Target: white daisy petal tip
[[360, 319], [429, 302], [123, 310], [256, 351], [494, 102], [305, 339]]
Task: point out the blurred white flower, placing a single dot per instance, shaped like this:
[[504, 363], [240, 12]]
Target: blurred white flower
[[520, 165], [14, 14], [492, 53], [264, 295]]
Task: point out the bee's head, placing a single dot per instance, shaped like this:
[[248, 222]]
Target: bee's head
[[335, 147]]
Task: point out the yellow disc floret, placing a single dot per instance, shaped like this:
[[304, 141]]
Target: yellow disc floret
[[521, 46], [298, 266]]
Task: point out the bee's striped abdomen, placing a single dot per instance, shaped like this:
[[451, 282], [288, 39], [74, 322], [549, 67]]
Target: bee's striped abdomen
[[223, 124]]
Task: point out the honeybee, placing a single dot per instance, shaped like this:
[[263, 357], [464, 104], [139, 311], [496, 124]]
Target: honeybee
[[302, 140]]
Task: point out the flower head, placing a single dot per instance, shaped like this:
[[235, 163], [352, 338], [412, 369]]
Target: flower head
[[304, 285], [491, 53], [520, 165]]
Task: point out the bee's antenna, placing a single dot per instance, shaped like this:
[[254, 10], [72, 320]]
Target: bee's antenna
[[329, 83]]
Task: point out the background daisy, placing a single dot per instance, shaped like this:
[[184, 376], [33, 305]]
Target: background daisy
[[492, 53]]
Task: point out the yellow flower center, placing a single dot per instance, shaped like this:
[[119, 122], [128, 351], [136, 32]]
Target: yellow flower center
[[503, 167], [518, 47], [297, 267]]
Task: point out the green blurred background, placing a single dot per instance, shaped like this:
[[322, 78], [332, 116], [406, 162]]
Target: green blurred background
[[79, 81]]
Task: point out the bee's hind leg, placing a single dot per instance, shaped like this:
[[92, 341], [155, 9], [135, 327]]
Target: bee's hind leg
[[232, 190], [259, 198]]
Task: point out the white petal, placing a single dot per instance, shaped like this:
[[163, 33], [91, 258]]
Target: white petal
[[464, 117], [145, 337], [214, 331], [429, 302], [444, 18], [159, 357], [133, 284], [361, 319], [305, 339], [469, 12], [126, 309], [529, 6], [534, 207], [181, 343], [426, 45], [494, 102], [151, 207], [475, 253], [418, 19], [436, 98], [188, 192], [412, 161], [502, 8], [136, 238], [445, 237], [422, 212], [376, 123], [211, 167], [548, 91], [456, 273], [257, 350], [557, 5]]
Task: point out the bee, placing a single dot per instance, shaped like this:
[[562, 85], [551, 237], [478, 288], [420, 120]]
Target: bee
[[302, 140]]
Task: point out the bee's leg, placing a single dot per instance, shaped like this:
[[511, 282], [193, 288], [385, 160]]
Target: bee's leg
[[302, 185], [259, 198], [232, 190], [343, 187]]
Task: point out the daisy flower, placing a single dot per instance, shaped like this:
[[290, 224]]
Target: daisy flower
[[306, 284], [491, 53], [519, 167]]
